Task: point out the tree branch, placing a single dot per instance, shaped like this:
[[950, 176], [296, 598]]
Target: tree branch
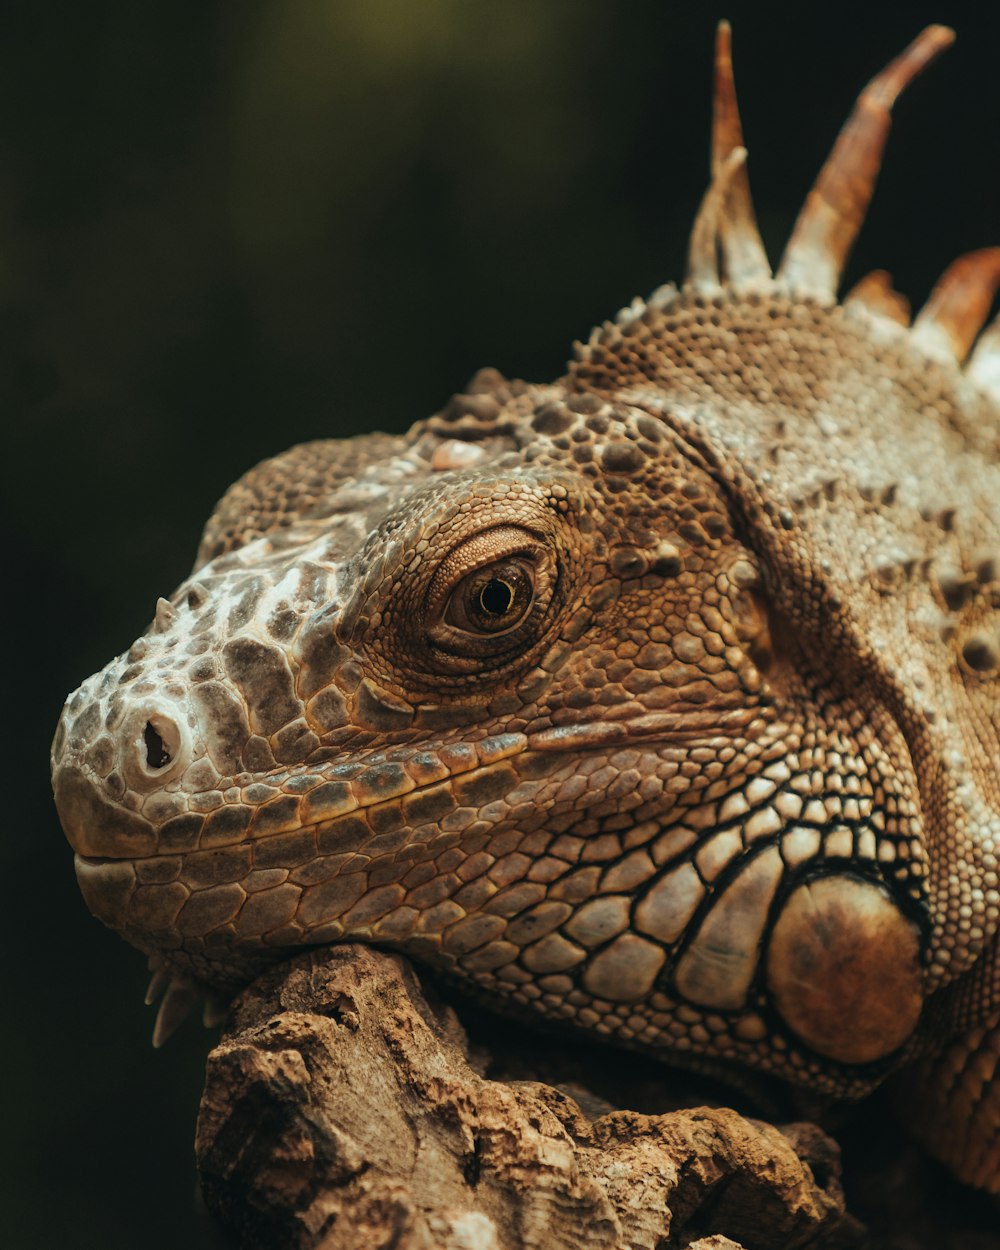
[[342, 1110]]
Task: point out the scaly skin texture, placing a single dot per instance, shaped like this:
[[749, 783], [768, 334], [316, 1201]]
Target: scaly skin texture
[[660, 700]]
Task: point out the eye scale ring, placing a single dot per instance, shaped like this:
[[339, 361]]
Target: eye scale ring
[[490, 597]]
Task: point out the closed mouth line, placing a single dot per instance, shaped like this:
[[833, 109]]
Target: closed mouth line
[[648, 730]]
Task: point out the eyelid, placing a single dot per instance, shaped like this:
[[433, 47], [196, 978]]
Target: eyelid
[[490, 547]]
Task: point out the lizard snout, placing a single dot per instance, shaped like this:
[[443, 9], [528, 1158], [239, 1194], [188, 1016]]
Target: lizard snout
[[106, 767], [94, 823]]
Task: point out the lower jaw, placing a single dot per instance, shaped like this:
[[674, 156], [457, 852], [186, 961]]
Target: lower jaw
[[216, 960], [224, 962]]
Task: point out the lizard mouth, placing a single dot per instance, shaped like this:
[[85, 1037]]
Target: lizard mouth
[[343, 860], [387, 853], [303, 801], [310, 800]]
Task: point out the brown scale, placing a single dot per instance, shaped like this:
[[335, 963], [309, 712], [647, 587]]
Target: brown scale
[[658, 700]]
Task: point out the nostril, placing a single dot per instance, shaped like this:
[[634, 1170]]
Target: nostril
[[162, 740], [157, 755]]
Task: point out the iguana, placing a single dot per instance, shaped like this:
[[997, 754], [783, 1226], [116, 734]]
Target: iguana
[[660, 700]]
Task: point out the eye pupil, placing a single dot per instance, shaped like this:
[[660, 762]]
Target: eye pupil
[[494, 607], [496, 597]]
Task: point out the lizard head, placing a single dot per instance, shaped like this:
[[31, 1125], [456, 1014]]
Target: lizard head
[[430, 690], [561, 692], [503, 694]]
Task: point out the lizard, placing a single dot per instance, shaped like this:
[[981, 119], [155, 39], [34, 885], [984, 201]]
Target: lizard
[[658, 701]]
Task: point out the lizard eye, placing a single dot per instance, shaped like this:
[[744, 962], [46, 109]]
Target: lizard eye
[[492, 599]]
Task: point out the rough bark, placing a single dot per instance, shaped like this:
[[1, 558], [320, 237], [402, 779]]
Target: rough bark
[[342, 1110]]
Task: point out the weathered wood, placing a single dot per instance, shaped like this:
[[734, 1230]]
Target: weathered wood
[[342, 1111]]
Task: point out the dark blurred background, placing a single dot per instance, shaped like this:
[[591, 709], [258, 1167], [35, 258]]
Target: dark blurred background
[[226, 227]]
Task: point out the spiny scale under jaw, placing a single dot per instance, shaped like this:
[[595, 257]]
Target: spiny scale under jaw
[[179, 995]]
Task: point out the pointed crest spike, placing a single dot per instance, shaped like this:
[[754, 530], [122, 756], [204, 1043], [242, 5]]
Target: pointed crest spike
[[875, 293], [727, 130], [703, 264], [836, 206], [744, 258], [959, 304]]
